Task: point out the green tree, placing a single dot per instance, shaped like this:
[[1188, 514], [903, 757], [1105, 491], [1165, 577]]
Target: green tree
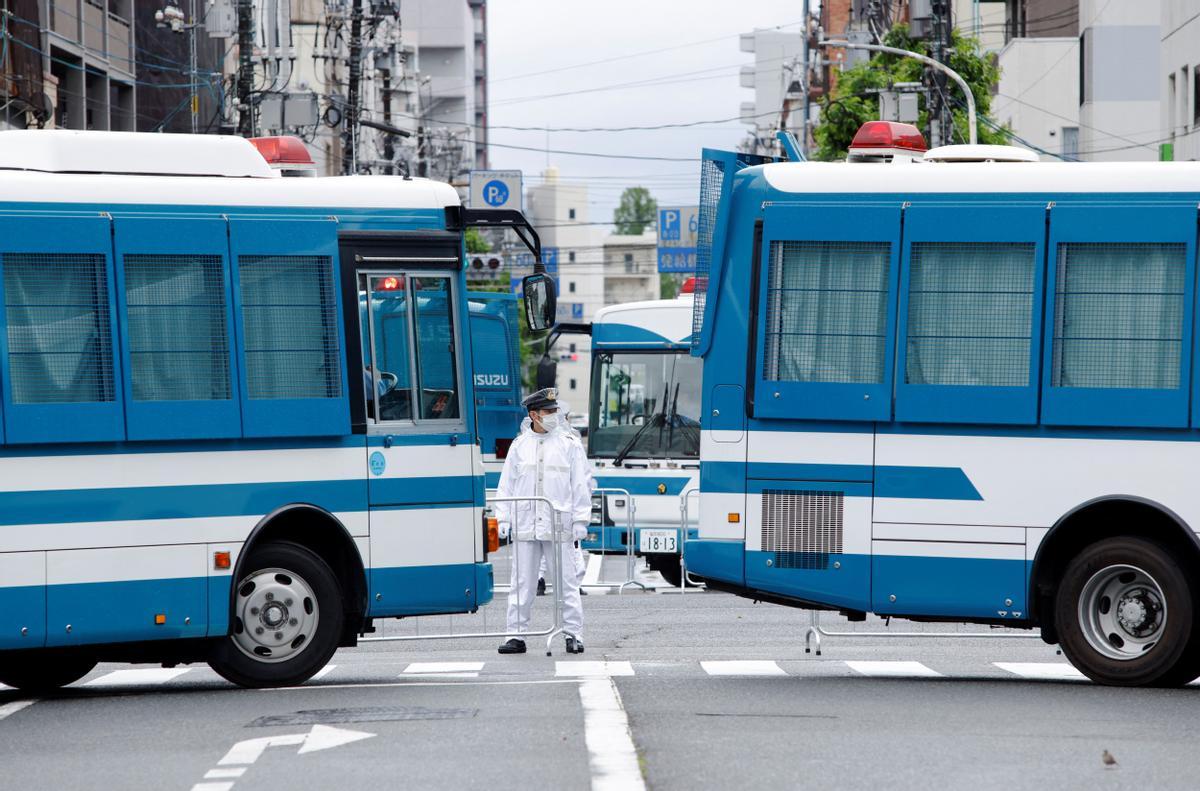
[[636, 210], [475, 242], [853, 103]]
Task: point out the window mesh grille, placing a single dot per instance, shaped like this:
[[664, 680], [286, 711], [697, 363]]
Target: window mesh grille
[[827, 311], [59, 332], [970, 309], [290, 322], [712, 178], [802, 528], [178, 338], [1118, 316]]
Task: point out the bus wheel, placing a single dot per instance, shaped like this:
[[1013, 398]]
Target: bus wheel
[[39, 671], [287, 610], [1125, 613]]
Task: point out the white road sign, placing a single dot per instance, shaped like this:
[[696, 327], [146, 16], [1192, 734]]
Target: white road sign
[[495, 189]]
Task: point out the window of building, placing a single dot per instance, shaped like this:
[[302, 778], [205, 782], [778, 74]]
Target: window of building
[[827, 312], [571, 286], [571, 348], [1172, 103], [1118, 316], [1196, 96], [1185, 96], [570, 214], [629, 266], [571, 256], [573, 384]]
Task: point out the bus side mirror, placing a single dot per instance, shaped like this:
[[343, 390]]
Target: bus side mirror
[[540, 301]]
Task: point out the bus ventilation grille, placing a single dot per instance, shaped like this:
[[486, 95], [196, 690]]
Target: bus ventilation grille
[[802, 528]]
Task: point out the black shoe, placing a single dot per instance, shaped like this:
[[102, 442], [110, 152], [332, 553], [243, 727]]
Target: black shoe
[[574, 645], [541, 587], [513, 646]]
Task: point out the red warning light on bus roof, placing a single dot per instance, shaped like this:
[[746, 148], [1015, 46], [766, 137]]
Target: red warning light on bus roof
[[888, 134], [283, 150]]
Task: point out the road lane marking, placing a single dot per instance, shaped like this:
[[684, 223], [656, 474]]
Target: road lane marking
[[587, 669], [137, 677], [1044, 671], [415, 683], [880, 669], [9, 709], [225, 773], [246, 752], [444, 669], [742, 667], [212, 786], [320, 674], [611, 754]]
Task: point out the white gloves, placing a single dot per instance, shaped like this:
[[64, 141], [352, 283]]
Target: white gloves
[[505, 531], [579, 530]]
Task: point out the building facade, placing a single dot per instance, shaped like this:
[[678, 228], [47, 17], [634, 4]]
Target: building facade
[[1179, 79]]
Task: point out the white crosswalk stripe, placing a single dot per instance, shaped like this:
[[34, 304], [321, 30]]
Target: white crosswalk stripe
[[320, 674], [742, 667], [581, 669], [137, 677], [1047, 671], [444, 669], [881, 669]]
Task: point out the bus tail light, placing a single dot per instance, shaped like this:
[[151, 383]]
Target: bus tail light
[[493, 534]]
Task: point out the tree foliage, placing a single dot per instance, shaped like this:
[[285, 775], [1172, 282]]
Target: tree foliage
[[854, 103], [475, 241], [636, 210]]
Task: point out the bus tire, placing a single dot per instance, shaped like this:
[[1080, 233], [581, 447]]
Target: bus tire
[[1126, 613], [43, 671], [287, 618]]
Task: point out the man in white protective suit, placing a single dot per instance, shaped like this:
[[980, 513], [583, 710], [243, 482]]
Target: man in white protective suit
[[547, 460]]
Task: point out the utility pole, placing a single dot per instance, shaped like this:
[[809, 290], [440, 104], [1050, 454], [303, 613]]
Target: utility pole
[[194, 102], [941, 117], [350, 133], [245, 72], [804, 86]]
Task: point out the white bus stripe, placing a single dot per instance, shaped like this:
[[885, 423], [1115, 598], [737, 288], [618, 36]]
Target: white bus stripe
[[1046, 671], [137, 677], [746, 667], [611, 754], [882, 669]]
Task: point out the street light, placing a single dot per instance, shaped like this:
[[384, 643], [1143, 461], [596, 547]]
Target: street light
[[972, 131]]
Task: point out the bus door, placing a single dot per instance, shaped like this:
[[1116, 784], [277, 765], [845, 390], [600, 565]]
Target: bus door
[[422, 467]]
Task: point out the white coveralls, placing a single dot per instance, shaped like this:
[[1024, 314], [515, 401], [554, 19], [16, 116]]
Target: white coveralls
[[552, 465]]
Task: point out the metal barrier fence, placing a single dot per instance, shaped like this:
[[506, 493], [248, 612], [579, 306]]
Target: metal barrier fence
[[559, 541], [630, 558], [683, 528]]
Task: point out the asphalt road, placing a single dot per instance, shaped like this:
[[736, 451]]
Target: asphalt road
[[701, 690]]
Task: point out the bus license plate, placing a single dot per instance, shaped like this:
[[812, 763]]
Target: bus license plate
[[659, 541]]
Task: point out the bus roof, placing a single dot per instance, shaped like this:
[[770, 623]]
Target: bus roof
[[127, 168], [653, 324], [980, 177]]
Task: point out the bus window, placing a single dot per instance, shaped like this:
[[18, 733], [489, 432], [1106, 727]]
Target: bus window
[[645, 405], [437, 371], [386, 376]]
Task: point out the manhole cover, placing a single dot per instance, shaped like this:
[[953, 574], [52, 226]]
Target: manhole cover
[[366, 714]]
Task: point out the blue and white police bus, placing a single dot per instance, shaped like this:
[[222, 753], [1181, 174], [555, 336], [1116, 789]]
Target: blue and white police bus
[[210, 448], [495, 352], [957, 388], [644, 427]]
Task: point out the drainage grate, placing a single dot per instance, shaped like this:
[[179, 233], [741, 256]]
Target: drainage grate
[[366, 714]]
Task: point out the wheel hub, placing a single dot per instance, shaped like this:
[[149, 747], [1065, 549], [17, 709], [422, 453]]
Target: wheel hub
[[276, 614], [1122, 612]]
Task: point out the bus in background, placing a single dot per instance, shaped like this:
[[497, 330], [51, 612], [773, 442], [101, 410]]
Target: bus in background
[[210, 450], [644, 427], [957, 387], [496, 353]]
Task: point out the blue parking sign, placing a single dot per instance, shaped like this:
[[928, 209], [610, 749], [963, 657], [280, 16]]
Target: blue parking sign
[[495, 193], [669, 224]]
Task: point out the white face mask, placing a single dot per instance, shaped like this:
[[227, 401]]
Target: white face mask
[[549, 422]]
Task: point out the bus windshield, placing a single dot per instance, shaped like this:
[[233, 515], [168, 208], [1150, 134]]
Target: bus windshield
[[645, 405]]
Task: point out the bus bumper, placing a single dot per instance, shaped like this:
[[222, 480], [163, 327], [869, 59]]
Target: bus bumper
[[610, 539], [485, 584], [716, 560]]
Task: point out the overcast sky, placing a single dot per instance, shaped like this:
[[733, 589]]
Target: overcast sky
[[542, 73]]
